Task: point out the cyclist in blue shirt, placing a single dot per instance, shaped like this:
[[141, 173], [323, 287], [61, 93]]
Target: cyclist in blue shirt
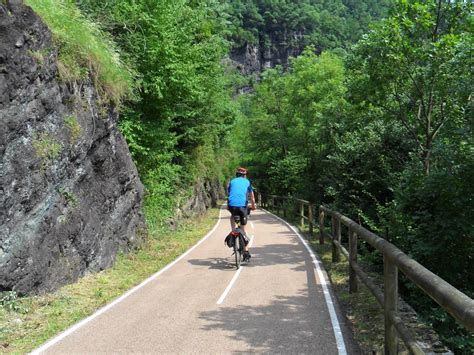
[[239, 192]]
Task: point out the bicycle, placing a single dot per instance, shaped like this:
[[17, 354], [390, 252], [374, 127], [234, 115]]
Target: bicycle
[[238, 242]]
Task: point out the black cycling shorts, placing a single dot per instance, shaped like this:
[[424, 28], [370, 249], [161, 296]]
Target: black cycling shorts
[[241, 212]]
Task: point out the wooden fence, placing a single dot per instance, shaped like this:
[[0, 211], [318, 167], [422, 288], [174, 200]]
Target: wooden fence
[[456, 303]]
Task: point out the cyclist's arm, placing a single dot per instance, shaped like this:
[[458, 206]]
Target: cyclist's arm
[[228, 194], [252, 199]]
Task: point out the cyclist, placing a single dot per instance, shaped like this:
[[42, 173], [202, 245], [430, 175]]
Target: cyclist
[[239, 192]]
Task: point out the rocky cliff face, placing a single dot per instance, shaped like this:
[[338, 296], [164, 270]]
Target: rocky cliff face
[[206, 194], [271, 50], [70, 196]]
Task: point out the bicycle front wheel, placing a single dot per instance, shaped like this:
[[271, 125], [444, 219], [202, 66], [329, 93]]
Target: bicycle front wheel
[[237, 252]]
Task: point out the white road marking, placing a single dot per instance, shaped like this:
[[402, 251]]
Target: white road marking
[[75, 327], [341, 347], [236, 276], [251, 225]]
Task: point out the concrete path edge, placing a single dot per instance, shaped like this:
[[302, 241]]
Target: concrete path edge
[[324, 283], [83, 322]]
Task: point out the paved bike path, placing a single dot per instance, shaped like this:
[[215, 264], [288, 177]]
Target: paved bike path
[[276, 304]]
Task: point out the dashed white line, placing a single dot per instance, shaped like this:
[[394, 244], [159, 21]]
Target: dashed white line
[[251, 225], [121, 298], [236, 276]]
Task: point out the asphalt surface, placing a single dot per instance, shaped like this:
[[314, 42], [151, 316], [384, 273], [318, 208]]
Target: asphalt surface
[[276, 303]]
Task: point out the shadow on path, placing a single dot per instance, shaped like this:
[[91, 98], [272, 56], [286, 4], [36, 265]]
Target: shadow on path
[[271, 254], [286, 325], [224, 263]]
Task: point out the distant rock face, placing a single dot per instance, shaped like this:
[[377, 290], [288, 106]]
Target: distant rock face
[[70, 196], [206, 193], [252, 59]]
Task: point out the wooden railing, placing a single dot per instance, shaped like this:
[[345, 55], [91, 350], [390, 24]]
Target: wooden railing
[[456, 303]]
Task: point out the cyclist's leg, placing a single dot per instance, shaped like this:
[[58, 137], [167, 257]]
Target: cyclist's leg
[[233, 211], [243, 219], [241, 212]]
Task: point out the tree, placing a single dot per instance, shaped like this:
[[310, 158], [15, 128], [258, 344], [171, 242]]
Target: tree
[[182, 108], [409, 65], [324, 24], [293, 118]]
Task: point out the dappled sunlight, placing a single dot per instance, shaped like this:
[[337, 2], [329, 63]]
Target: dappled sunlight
[[265, 327]]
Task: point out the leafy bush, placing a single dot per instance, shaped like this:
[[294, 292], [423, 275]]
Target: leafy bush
[[433, 221], [9, 301], [177, 124]]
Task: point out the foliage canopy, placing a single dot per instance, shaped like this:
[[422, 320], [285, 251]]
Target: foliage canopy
[[382, 131]]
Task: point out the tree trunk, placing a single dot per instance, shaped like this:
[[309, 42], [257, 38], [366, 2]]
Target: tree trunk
[[427, 158]]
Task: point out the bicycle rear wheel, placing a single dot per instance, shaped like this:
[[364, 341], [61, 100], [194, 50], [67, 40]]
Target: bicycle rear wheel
[[237, 252]]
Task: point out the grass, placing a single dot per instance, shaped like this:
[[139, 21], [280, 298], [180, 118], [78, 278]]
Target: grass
[[46, 146], [37, 55], [74, 127], [84, 50], [27, 322]]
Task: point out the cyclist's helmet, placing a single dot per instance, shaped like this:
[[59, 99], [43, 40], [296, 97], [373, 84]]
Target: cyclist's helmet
[[241, 171]]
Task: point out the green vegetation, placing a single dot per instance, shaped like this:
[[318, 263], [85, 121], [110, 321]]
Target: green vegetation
[[10, 302], [37, 55], [381, 130], [68, 196], [74, 127], [178, 123], [46, 146], [84, 50], [324, 24], [383, 135], [27, 322]]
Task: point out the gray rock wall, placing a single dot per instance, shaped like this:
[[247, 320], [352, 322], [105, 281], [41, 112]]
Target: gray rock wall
[[206, 193], [252, 59], [70, 196]]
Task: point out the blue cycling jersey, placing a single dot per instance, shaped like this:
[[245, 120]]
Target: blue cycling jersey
[[238, 191]]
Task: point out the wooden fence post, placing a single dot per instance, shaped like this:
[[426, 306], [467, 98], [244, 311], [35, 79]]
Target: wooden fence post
[[259, 199], [301, 214], [321, 226], [352, 260], [390, 275], [310, 218], [336, 235]]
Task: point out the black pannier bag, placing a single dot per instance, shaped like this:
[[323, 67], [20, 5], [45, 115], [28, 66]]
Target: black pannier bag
[[229, 240]]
